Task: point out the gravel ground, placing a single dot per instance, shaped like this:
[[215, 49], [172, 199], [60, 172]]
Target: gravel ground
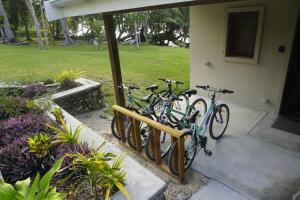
[[100, 122]]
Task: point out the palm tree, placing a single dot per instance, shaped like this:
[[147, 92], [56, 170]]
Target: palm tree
[[179, 18], [36, 23], [6, 31], [67, 35], [43, 22]]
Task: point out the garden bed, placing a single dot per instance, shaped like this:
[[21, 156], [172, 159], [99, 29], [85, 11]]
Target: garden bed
[[28, 146], [140, 182]]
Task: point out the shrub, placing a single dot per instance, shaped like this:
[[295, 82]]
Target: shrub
[[18, 163], [58, 114], [66, 78], [100, 175], [66, 135], [34, 90], [39, 189], [14, 106], [39, 144], [22, 125]]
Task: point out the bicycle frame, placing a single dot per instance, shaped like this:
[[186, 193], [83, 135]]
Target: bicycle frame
[[200, 129]]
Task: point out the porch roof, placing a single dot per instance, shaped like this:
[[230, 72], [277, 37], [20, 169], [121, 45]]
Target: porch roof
[[57, 9]]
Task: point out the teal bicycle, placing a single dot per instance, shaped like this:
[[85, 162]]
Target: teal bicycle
[[215, 119], [178, 115]]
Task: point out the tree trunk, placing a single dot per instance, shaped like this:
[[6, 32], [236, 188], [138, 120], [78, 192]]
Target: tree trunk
[[64, 25], [43, 22], [36, 23], [14, 16], [7, 33]]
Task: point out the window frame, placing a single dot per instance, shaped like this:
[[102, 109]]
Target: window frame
[[254, 60]]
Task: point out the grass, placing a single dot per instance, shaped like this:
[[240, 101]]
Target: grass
[[140, 65]]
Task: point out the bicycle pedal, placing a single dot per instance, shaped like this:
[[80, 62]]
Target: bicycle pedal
[[208, 152]]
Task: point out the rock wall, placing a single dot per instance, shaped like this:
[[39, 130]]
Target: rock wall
[[82, 101]]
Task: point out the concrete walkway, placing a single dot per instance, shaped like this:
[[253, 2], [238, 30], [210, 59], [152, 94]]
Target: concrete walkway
[[257, 168]]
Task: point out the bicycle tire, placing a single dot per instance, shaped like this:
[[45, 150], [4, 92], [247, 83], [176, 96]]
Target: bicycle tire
[[129, 132], [212, 119], [149, 152], [172, 153], [193, 108], [113, 125]]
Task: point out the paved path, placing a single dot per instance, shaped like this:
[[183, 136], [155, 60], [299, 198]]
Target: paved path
[[217, 191], [256, 168]]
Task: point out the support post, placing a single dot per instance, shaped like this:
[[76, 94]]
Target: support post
[[114, 57]]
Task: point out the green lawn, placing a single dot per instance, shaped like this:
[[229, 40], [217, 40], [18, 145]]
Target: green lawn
[[140, 65]]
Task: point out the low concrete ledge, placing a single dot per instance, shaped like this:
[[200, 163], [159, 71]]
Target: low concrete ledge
[[140, 182], [85, 84]]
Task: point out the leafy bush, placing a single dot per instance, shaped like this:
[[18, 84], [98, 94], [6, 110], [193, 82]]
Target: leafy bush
[[66, 135], [100, 175], [39, 144], [18, 163], [22, 125], [66, 78], [58, 114], [15, 106], [40, 188], [34, 90]]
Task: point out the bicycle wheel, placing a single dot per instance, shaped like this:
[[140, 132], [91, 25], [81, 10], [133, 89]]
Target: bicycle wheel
[[165, 145], [198, 105], [190, 151], [114, 128], [178, 106], [144, 132], [219, 122]]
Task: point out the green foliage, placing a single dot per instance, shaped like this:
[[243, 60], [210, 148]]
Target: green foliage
[[39, 189], [66, 135], [39, 144], [58, 114], [100, 174], [8, 108], [66, 78]]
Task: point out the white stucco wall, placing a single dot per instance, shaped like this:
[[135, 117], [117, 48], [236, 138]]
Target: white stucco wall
[[249, 81]]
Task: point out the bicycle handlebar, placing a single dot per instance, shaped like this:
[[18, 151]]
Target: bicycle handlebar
[[224, 91]]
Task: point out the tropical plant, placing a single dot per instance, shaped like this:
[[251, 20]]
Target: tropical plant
[[22, 125], [39, 189], [99, 174], [39, 144], [34, 90], [65, 134], [66, 78], [113, 176], [59, 116], [18, 163], [30, 7], [14, 106]]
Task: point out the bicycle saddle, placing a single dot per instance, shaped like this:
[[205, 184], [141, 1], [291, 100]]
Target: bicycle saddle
[[190, 92], [192, 118], [147, 98], [152, 87]]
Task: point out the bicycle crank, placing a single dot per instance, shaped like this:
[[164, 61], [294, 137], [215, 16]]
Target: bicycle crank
[[204, 146]]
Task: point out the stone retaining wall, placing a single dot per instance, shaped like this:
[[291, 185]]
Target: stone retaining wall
[[84, 98]]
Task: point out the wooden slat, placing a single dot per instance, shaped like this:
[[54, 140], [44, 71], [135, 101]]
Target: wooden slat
[[157, 146], [114, 57], [156, 125], [180, 144], [137, 135]]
